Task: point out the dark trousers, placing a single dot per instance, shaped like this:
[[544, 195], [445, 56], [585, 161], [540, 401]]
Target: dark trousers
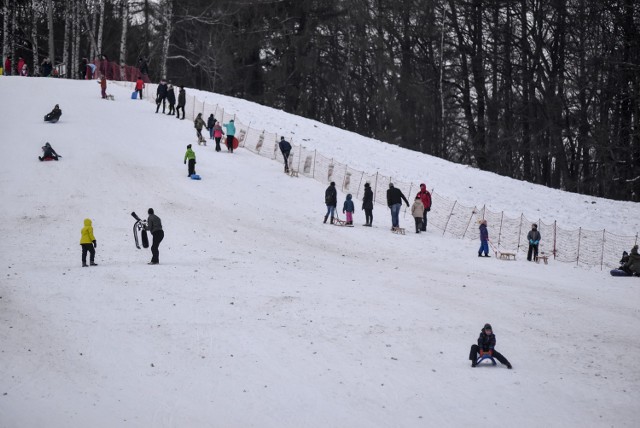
[[158, 236], [424, 220], [92, 253], [192, 167], [532, 249], [230, 143], [200, 137], [172, 109], [285, 155], [473, 355], [162, 100], [178, 111], [418, 223], [140, 93], [218, 143], [368, 215]]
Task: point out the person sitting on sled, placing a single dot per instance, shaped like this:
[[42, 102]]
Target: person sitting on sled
[[48, 153], [632, 264], [486, 345], [54, 115]]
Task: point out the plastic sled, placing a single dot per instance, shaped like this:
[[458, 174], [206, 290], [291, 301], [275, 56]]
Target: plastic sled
[[619, 272], [134, 95], [195, 177], [236, 143], [486, 357]]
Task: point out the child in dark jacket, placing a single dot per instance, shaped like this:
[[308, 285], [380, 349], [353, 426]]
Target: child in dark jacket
[[486, 345], [348, 208], [484, 239]]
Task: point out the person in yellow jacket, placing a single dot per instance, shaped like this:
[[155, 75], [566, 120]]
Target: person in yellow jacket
[[88, 243]]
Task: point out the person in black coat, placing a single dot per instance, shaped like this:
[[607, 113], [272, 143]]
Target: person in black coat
[[48, 153], [486, 345], [367, 204], [331, 201], [181, 103], [54, 115], [394, 202], [534, 239], [211, 122], [161, 95], [171, 97], [285, 149], [46, 67]]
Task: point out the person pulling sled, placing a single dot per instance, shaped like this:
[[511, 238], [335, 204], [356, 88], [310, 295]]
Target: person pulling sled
[[48, 153], [54, 115]]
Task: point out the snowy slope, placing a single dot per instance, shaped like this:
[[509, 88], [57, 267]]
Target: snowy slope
[[261, 316]]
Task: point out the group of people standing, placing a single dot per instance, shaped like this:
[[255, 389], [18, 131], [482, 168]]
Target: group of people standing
[[165, 93], [395, 197], [215, 131], [22, 69]]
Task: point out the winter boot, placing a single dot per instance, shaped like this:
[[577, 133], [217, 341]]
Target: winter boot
[[326, 217], [93, 264], [85, 265], [331, 219]]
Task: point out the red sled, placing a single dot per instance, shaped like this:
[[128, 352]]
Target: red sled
[[236, 143]]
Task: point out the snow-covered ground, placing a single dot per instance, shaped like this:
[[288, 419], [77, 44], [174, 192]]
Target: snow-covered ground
[[261, 316]]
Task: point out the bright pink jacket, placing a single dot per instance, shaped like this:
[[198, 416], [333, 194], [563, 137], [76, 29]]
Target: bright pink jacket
[[217, 131]]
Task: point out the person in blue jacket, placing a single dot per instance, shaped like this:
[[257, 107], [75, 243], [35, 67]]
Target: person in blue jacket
[[534, 239], [348, 208], [484, 239], [285, 149], [231, 132]]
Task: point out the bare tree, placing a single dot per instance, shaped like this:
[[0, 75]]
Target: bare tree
[[34, 37], [67, 37], [167, 13], [6, 50], [50, 24], [123, 38]]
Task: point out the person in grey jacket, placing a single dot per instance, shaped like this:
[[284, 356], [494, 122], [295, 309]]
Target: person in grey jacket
[[154, 225], [534, 239]]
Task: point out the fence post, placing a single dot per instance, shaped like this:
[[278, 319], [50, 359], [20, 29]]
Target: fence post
[[554, 238], [579, 236], [405, 208], [520, 231], [246, 135], [450, 214], [500, 230], [359, 184], [313, 173], [299, 157], [473, 211], [602, 252], [375, 189]]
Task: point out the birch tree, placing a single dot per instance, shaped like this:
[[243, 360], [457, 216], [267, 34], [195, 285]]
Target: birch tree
[[123, 38], [52, 49], [67, 37], [6, 50], [167, 20], [100, 26], [34, 37]]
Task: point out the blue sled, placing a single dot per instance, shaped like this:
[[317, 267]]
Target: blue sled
[[619, 272], [486, 357], [195, 177], [134, 95]]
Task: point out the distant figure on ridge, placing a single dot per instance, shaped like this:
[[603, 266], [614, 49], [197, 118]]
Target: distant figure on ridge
[[103, 87], [171, 98]]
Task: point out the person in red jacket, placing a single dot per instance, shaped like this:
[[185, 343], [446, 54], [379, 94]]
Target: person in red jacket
[[7, 66], [139, 86], [20, 65], [103, 87], [425, 197]]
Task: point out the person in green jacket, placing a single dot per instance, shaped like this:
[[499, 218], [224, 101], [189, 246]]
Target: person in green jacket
[[231, 132], [88, 243], [190, 155], [198, 123]]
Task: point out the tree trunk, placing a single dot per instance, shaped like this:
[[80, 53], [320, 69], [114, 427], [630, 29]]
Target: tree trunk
[[100, 26], [52, 49], [34, 39], [67, 37], [123, 38], [6, 31], [75, 45], [167, 19]]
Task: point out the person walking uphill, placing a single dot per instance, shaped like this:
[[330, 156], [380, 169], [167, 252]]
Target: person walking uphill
[[348, 208], [182, 100], [534, 239], [331, 201], [394, 202], [139, 87], [425, 197], [161, 95], [103, 87], [231, 132], [285, 149], [191, 157], [198, 123], [367, 205], [417, 211], [211, 122], [217, 135], [486, 345], [154, 225], [88, 243], [484, 239]]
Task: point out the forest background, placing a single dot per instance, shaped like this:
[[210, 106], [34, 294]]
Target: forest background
[[546, 91]]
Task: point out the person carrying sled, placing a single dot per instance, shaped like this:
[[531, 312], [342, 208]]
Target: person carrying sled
[[534, 239], [331, 201], [171, 98], [198, 123], [154, 225], [484, 239], [88, 243], [181, 103], [367, 205], [425, 197], [161, 96], [211, 122], [486, 345], [348, 208], [191, 157], [285, 149], [417, 211], [139, 86], [54, 115], [394, 202], [231, 132], [217, 135], [48, 153]]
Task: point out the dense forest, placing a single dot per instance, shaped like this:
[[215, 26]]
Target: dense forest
[[546, 91]]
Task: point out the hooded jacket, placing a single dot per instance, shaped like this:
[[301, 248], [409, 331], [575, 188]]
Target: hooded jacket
[[331, 196], [417, 209], [633, 264], [425, 196], [367, 199], [211, 121], [182, 98], [171, 95], [217, 130], [190, 154], [484, 233], [86, 234], [534, 237], [231, 128], [199, 123], [486, 342], [348, 205]]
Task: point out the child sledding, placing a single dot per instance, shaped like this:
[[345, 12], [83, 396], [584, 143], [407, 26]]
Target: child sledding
[[48, 153], [54, 115], [629, 264]]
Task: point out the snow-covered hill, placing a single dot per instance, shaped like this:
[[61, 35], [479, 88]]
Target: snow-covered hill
[[260, 315]]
